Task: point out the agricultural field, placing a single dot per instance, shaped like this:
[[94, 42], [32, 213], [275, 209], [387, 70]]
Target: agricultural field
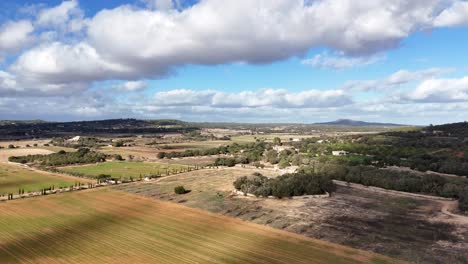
[[357, 218], [13, 178], [6, 153], [125, 169], [137, 152], [107, 226]]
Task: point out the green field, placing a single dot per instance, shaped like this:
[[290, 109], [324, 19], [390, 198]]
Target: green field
[[125, 169], [13, 178], [106, 226]]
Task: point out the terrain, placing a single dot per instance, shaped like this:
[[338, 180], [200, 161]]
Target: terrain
[[416, 215], [14, 177], [113, 227], [355, 217]]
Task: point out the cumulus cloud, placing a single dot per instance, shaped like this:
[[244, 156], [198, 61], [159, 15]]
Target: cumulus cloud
[[15, 35], [456, 15], [440, 91], [59, 15], [72, 52], [274, 98], [147, 43], [131, 86], [339, 62]]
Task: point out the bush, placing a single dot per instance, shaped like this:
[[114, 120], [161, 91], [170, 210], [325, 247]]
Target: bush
[[117, 157], [229, 162], [11, 146], [180, 190], [118, 144], [463, 200]]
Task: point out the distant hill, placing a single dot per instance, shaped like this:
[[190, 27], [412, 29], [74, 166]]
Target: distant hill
[[349, 122], [15, 122], [455, 129], [27, 129]]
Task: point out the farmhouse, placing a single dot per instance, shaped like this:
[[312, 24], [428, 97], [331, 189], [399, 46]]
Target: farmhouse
[[339, 153], [281, 148], [74, 139]]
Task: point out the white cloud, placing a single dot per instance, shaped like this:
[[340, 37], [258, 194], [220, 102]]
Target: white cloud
[[15, 35], [60, 63], [456, 15], [399, 78], [131, 43], [405, 76], [274, 98], [181, 97], [160, 4], [58, 15], [339, 61], [131, 86], [440, 91]]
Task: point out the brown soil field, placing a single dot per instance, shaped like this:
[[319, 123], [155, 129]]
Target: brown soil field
[[412, 229], [106, 226]]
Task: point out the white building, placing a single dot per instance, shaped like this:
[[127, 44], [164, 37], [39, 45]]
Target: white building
[[339, 153]]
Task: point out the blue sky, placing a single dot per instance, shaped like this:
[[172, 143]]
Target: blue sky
[[244, 61]]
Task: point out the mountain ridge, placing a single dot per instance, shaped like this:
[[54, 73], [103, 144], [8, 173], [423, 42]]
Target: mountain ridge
[[350, 122]]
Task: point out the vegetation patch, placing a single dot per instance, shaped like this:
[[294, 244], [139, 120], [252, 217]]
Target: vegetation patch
[[287, 185], [61, 158]]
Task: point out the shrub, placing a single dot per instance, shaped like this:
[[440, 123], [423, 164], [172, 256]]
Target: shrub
[[117, 157], [118, 144], [180, 190], [463, 200], [11, 146], [229, 162]]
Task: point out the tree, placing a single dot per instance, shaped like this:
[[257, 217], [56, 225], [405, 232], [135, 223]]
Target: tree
[[277, 141], [180, 190], [118, 144], [118, 157], [463, 200], [271, 156], [283, 163]]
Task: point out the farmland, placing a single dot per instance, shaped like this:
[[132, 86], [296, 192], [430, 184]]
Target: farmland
[[108, 226], [13, 178], [125, 169], [357, 218]]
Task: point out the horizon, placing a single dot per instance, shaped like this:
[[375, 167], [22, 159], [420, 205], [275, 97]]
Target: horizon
[[225, 122], [240, 61]]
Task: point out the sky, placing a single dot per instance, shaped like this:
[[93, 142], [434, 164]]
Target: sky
[[282, 61]]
